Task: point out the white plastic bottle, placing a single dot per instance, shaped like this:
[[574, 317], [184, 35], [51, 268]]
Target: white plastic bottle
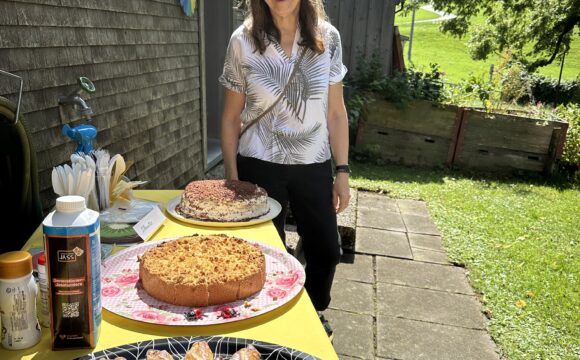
[[43, 307], [72, 247], [18, 291]]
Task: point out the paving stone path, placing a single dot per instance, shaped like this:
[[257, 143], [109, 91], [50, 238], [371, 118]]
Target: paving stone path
[[397, 296]]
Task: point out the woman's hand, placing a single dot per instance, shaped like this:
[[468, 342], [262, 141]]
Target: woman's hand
[[340, 192]]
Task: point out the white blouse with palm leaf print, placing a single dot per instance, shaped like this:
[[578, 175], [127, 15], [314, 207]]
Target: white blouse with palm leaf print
[[295, 131]]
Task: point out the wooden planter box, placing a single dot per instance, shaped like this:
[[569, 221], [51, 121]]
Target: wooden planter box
[[430, 134], [422, 133], [502, 142]]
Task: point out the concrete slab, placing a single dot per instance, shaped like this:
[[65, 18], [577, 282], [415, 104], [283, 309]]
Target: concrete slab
[[423, 275], [436, 257], [429, 305], [412, 207], [361, 269], [383, 242], [380, 219], [420, 224], [409, 339], [369, 200], [353, 296], [347, 326], [426, 242]]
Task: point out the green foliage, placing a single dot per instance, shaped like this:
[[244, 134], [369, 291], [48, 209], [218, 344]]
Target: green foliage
[[405, 16], [474, 91], [515, 83], [518, 240], [368, 154], [409, 5], [355, 106], [548, 91], [490, 94], [538, 30], [368, 73], [512, 87], [571, 154], [398, 87]]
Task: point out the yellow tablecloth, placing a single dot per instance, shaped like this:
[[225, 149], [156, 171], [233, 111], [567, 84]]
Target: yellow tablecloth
[[295, 324]]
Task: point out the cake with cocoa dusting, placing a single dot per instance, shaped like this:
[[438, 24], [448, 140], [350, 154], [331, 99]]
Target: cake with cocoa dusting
[[223, 201], [202, 270]]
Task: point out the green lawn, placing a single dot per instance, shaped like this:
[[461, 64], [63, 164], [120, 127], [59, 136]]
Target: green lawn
[[520, 243], [420, 14], [431, 46]]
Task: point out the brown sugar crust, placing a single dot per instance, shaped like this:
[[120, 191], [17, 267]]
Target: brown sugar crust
[[202, 270]]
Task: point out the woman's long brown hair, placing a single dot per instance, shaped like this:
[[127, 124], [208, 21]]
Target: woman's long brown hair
[[261, 24]]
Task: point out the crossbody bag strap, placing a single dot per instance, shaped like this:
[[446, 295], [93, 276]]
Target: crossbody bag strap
[[271, 107]]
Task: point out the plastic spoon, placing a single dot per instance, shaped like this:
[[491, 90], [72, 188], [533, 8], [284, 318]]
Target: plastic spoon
[[56, 182], [76, 171], [62, 177], [71, 181]]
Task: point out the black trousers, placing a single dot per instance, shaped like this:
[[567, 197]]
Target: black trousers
[[308, 190]]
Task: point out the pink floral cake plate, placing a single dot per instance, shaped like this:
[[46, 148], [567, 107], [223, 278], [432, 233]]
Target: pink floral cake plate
[[122, 294]]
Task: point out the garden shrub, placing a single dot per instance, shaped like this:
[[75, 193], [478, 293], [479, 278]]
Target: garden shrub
[[474, 91], [548, 91], [571, 154], [398, 87], [515, 83]]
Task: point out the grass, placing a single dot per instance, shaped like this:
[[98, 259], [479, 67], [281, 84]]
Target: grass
[[432, 46], [420, 14], [519, 240]]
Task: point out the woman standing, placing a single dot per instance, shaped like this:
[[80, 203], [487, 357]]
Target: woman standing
[[283, 118]]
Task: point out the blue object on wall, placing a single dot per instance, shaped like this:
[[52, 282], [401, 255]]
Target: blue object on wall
[[83, 135]]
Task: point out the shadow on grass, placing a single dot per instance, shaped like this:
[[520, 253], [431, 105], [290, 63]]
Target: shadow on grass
[[424, 175]]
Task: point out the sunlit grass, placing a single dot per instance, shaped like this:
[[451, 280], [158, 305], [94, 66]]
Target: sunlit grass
[[420, 14], [519, 240]]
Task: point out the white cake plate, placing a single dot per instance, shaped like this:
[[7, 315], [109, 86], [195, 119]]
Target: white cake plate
[[274, 206]]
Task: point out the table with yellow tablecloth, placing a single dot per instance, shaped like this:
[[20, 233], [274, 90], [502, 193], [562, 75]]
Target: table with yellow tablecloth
[[295, 324]]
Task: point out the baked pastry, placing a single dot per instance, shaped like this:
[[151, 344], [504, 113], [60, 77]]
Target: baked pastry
[[199, 351], [247, 353], [153, 354], [202, 270], [223, 201]]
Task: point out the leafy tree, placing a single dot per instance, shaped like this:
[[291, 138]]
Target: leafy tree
[[536, 31]]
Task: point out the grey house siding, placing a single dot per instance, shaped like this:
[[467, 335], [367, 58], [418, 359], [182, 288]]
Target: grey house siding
[[143, 57]]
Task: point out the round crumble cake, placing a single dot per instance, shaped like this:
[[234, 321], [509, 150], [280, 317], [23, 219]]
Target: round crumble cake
[[223, 201], [202, 270]]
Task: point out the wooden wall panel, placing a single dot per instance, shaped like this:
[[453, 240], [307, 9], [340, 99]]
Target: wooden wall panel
[[365, 26], [143, 57]]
